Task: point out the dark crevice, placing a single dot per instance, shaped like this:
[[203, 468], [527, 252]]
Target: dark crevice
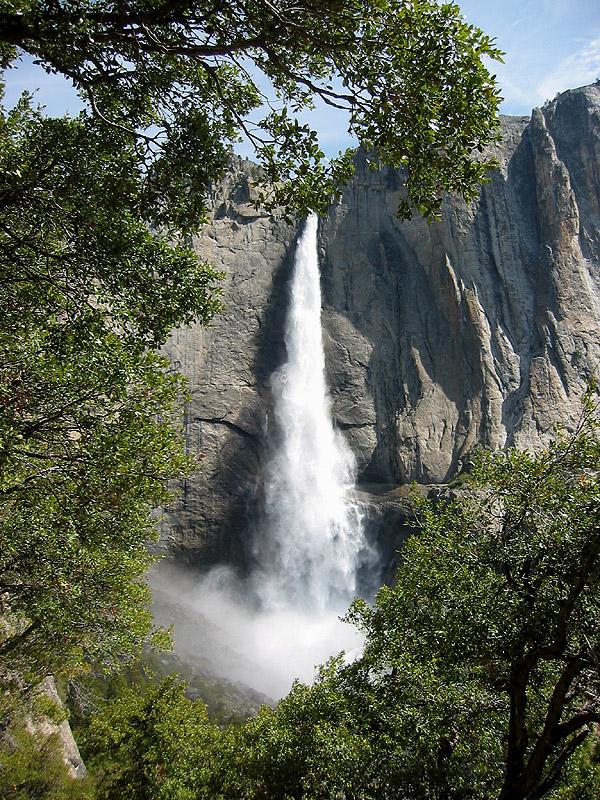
[[228, 424], [344, 426]]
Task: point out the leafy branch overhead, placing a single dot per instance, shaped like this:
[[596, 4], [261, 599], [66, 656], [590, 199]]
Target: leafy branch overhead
[[186, 80]]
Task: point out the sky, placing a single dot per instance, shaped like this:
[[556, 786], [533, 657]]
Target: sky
[[550, 46]]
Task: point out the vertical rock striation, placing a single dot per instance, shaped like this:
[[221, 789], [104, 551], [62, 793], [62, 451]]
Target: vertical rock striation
[[478, 329]]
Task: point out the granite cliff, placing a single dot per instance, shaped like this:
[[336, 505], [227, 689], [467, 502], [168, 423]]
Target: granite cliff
[[478, 329]]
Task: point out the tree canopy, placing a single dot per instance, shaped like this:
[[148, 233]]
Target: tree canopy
[[185, 80], [88, 413], [479, 678]]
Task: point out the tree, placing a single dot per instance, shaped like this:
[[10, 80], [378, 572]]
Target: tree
[[182, 79], [74, 240], [482, 663], [151, 743], [88, 413]]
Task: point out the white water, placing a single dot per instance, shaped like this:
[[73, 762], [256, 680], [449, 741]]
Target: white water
[[309, 546], [312, 537]]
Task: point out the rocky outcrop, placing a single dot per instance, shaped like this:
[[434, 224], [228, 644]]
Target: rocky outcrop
[[56, 724], [478, 329]]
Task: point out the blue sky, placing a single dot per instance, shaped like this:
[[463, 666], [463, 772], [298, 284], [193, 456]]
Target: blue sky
[[550, 45]]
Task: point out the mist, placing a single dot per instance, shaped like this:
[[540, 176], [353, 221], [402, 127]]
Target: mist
[[218, 627]]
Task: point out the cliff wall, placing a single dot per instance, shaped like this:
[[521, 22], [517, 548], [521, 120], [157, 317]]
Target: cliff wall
[[478, 329]]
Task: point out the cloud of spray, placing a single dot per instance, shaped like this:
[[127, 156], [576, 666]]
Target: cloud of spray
[[219, 629]]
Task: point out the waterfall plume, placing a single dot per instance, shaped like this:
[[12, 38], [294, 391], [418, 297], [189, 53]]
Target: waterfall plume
[[309, 543], [312, 537]]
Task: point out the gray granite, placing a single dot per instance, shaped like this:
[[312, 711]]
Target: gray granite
[[478, 329]]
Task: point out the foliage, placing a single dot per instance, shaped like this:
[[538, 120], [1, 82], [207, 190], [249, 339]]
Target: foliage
[[582, 774], [311, 746], [31, 765], [151, 743], [87, 435], [85, 457], [182, 81], [73, 240], [155, 742]]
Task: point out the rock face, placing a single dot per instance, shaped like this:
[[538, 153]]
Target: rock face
[[44, 726], [478, 329], [228, 367]]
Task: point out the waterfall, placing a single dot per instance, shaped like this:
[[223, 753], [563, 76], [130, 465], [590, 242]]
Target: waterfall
[[312, 538], [309, 545]]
